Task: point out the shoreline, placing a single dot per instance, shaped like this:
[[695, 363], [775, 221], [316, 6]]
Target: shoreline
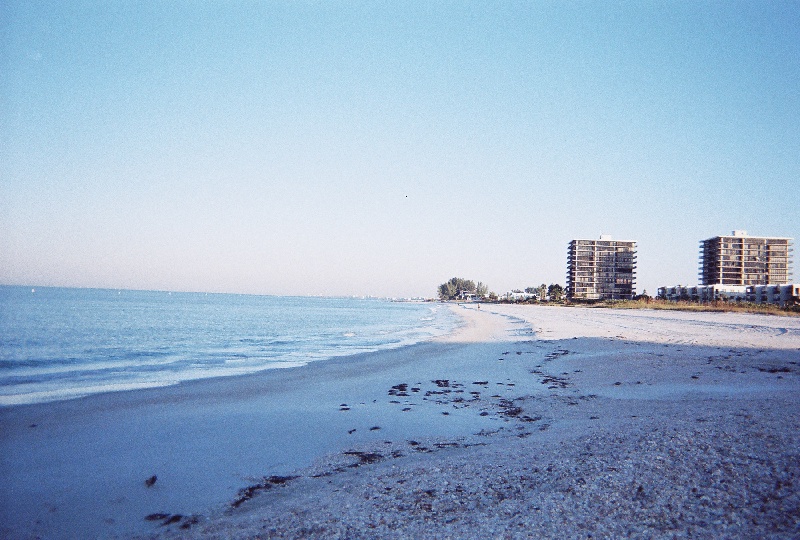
[[243, 384], [76, 446], [492, 403], [146, 340]]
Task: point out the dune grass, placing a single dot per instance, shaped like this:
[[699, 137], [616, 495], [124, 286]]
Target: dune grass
[[736, 307]]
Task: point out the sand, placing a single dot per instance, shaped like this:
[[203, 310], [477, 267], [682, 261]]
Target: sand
[[528, 422]]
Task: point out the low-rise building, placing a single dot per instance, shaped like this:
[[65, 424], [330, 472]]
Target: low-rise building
[[704, 293], [781, 295], [518, 296]]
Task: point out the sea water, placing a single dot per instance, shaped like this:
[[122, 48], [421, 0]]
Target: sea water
[[59, 343]]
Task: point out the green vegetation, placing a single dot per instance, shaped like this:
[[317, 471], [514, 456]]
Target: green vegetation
[[466, 289], [541, 294], [542, 291], [555, 292], [460, 288], [682, 305], [481, 290]]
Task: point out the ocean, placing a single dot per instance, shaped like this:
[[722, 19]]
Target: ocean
[[61, 343]]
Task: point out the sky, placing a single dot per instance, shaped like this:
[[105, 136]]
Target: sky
[[381, 148]]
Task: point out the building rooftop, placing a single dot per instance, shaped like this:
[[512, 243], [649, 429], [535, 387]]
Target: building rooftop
[[743, 234]]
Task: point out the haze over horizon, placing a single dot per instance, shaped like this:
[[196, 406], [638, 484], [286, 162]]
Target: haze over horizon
[[351, 148]]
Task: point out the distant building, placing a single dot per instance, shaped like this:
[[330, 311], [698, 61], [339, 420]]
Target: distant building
[[787, 294], [517, 296], [744, 260], [782, 295], [602, 269], [704, 293]]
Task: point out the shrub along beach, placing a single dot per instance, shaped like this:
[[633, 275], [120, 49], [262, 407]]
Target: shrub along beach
[[529, 421]]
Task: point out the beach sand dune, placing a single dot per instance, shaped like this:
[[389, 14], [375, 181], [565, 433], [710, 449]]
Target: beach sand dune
[[529, 421]]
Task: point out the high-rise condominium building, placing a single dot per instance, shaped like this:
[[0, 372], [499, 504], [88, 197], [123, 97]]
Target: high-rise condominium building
[[602, 269], [740, 259]]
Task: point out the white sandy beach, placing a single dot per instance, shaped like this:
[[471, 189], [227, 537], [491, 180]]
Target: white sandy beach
[[528, 422]]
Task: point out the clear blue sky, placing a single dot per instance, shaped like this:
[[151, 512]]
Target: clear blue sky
[[382, 148]]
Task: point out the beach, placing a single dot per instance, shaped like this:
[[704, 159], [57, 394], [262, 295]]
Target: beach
[[528, 421]]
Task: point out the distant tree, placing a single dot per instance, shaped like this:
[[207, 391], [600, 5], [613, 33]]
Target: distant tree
[[447, 290], [555, 291], [530, 290], [456, 287], [493, 296], [481, 290]]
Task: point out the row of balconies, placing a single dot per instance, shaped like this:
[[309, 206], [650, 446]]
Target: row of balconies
[[589, 271], [600, 285], [764, 248], [739, 257], [595, 252], [602, 259], [608, 259]]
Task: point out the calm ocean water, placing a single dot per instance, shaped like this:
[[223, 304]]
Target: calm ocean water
[[59, 343]]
